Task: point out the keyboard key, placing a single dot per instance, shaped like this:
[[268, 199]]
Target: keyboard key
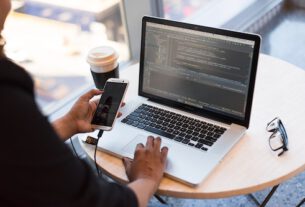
[[218, 131], [152, 125], [141, 126], [159, 132], [188, 136], [135, 123], [198, 145], [216, 136], [204, 149], [164, 128], [134, 118], [210, 139], [156, 116], [201, 135], [185, 125], [195, 134], [129, 122], [167, 120], [124, 120], [185, 141], [175, 132], [173, 122], [195, 139], [204, 132], [178, 139], [198, 125], [165, 124], [189, 131], [203, 141], [191, 144], [197, 129], [171, 126], [183, 129], [206, 142], [146, 122]]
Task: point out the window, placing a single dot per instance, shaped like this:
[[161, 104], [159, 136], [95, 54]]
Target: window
[[51, 38], [241, 15]]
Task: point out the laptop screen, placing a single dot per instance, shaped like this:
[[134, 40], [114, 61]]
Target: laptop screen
[[202, 69]]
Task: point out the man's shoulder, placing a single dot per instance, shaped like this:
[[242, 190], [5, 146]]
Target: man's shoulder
[[13, 75]]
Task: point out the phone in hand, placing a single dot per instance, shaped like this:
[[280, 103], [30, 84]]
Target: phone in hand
[[109, 104]]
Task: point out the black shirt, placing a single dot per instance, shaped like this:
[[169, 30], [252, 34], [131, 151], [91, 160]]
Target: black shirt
[[37, 168]]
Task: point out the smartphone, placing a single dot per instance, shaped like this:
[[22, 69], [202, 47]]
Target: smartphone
[[109, 104]]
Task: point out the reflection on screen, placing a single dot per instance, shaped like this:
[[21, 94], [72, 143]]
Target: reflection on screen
[[200, 69], [109, 104]]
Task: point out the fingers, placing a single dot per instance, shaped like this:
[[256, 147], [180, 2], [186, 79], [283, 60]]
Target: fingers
[[139, 146], [164, 152], [127, 163], [90, 94], [157, 144], [150, 143], [119, 115]]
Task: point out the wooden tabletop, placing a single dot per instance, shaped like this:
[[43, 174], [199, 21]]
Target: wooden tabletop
[[251, 165]]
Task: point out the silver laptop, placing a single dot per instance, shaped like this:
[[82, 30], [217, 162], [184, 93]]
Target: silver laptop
[[195, 91]]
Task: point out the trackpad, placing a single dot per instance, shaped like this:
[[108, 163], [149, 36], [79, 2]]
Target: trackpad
[[131, 146]]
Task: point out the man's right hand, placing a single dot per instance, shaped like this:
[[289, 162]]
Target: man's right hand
[[149, 162]]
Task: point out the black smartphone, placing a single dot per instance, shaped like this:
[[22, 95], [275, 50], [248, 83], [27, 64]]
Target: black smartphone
[[109, 104]]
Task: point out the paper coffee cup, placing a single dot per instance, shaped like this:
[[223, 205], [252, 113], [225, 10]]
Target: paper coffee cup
[[102, 59], [103, 65]]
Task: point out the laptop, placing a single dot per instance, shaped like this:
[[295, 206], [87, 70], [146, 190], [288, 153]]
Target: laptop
[[195, 91]]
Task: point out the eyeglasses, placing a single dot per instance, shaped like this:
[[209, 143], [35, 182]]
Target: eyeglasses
[[278, 140]]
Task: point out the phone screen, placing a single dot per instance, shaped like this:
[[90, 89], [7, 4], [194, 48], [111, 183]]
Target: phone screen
[[109, 104]]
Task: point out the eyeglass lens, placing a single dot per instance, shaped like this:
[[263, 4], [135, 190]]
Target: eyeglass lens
[[278, 139]]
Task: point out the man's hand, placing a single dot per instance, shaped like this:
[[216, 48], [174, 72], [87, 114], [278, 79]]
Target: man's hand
[[149, 162], [78, 119], [83, 110]]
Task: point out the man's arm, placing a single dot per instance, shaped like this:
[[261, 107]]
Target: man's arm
[[38, 169], [146, 170]]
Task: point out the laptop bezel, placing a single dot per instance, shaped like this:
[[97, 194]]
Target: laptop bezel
[[203, 112]]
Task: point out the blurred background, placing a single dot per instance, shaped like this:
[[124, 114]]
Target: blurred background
[[51, 38]]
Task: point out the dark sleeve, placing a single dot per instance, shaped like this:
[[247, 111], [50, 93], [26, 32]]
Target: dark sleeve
[[38, 169]]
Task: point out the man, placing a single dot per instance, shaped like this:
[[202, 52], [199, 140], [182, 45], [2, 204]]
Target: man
[[38, 169]]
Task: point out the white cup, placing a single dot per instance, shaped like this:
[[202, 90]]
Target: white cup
[[103, 65]]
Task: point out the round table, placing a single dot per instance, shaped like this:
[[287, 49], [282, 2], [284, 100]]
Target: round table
[[251, 165]]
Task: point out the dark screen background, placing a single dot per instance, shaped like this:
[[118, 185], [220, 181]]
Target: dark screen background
[[109, 104]]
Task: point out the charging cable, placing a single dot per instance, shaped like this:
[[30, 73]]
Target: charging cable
[[99, 135]]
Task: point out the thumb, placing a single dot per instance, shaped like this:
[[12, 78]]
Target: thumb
[[127, 164], [90, 94]]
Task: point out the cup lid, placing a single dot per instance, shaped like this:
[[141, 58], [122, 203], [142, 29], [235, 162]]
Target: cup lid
[[101, 56]]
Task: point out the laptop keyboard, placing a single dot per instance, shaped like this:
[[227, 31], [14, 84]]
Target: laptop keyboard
[[186, 130]]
